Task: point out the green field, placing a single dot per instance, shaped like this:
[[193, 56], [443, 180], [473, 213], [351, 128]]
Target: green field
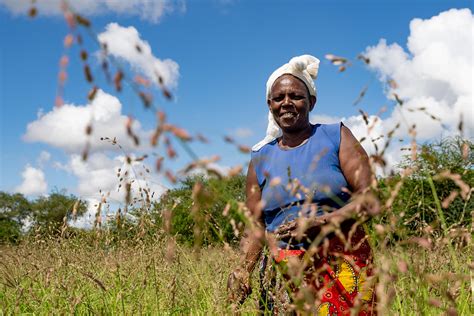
[[79, 276]]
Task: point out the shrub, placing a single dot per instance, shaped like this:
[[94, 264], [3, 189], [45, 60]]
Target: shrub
[[424, 195], [205, 223]]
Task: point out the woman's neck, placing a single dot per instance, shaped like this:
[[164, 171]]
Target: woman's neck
[[295, 138]]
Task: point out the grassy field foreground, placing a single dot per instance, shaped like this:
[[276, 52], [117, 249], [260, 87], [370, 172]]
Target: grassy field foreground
[[71, 276]]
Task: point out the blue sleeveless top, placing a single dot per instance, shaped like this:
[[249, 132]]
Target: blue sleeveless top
[[310, 172]]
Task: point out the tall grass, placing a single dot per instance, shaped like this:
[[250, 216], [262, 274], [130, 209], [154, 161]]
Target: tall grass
[[158, 276], [70, 276]]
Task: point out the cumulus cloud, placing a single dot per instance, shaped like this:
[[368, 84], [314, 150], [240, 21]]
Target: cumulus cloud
[[98, 175], [34, 182], [435, 74], [434, 77], [150, 10], [97, 178], [64, 127], [122, 43], [43, 158], [86, 221]]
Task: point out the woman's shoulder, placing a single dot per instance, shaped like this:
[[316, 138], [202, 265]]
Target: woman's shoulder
[[262, 149], [331, 127], [328, 134], [331, 130]]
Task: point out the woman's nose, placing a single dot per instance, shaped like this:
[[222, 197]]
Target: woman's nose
[[286, 100]]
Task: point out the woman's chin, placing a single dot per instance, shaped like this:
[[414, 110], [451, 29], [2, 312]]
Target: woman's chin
[[288, 124], [291, 127]]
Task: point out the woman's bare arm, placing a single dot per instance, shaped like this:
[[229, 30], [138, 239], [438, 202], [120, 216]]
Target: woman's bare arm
[[354, 162]]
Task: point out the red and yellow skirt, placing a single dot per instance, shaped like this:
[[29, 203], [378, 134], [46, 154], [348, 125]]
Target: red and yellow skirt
[[339, 276]]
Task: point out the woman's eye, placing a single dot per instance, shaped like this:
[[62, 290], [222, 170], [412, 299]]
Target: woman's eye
[[278, 99], [298, 97]]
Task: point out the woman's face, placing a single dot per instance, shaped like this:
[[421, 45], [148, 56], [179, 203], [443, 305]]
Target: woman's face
[[290, 103]]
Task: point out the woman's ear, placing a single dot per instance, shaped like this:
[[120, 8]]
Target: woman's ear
[[312, 102]]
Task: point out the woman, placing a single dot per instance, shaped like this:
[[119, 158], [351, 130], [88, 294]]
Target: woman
[[307, 187]]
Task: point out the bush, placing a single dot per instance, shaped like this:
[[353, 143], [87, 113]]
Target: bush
[[204, 223], [417, 205]]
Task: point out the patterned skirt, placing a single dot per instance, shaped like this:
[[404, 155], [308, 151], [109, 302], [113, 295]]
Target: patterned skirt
[[334, 280]]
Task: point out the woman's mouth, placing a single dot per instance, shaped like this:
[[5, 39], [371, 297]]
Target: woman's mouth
[[288, 115]]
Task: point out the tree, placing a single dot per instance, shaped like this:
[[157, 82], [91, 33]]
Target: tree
[[14, 211], [49, 211], [46, 213]]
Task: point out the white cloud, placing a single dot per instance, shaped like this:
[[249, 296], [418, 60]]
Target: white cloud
[[86, 221], [97, 178], [122, 43], [43, 158], [99, 174], [323, 119], [96, 174], [150, 10], [64, 127], [34, 182], [222, 170], [435, 73]]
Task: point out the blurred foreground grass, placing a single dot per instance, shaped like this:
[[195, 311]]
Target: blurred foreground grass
[[77, 277]]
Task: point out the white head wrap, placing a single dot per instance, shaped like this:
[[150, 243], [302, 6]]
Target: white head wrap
[[305, 68]]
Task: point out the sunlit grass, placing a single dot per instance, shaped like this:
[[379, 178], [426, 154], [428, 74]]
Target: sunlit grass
[[73, 276]]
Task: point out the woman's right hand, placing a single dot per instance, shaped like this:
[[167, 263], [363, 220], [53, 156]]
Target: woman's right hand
[[299, 229], [238, 286]]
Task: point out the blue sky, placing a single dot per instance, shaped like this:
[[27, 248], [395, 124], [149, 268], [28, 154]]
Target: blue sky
[[225, 51]]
